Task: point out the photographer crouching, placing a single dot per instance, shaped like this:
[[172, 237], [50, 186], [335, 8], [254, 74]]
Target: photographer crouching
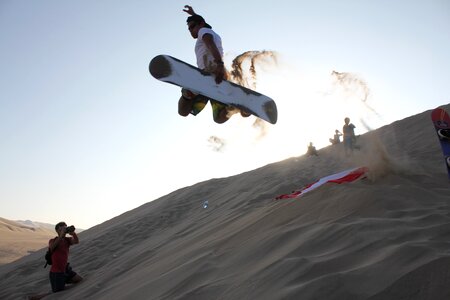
[[61, 272]]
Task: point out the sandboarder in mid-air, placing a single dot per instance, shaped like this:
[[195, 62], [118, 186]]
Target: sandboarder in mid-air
[[209, 81], [209, 53]]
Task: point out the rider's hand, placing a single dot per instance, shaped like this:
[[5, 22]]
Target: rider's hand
[[188, 9], [220, 73]]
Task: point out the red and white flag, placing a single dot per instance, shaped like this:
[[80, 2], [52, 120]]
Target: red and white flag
[[341, 177]]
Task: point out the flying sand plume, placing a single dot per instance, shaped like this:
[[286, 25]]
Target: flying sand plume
[[239, 76], [248, 78], [254, 57], [350, 82], [355, 86]]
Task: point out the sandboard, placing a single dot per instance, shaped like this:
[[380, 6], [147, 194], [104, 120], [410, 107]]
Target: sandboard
[[441, 121], [172, 70]]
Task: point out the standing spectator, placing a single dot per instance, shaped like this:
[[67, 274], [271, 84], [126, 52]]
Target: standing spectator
[[349, 136]]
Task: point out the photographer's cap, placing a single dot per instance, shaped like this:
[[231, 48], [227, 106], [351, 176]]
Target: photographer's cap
[[198, 19]]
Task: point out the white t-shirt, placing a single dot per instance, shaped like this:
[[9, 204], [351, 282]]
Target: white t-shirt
[[204, 56]]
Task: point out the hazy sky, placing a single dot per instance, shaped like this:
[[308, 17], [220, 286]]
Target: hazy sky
[[86, 133]]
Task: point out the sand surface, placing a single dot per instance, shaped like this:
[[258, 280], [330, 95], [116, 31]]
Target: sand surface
[[384, 237]]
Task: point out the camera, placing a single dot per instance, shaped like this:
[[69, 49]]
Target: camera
[[70, 229]]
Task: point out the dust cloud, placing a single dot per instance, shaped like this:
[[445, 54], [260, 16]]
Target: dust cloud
[[244, 72], [217, 144]]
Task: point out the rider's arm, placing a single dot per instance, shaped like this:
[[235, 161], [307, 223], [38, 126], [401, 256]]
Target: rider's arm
[[220, 70]]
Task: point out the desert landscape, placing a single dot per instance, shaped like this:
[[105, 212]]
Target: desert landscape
[[382, 237], [18, 239]]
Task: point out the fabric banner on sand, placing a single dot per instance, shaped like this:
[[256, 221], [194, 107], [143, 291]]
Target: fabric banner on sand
[[341, 177]]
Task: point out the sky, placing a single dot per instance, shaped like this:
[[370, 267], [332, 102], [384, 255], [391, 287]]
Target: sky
[[87, 134]]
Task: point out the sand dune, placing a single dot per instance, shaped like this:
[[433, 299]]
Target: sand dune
[[385, 237], [18, 239]]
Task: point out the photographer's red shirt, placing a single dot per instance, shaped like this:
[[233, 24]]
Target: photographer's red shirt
[[60, 255]]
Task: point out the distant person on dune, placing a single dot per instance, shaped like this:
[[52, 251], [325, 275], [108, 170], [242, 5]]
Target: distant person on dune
[[349, 136], [336, 138], [311, 150]]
